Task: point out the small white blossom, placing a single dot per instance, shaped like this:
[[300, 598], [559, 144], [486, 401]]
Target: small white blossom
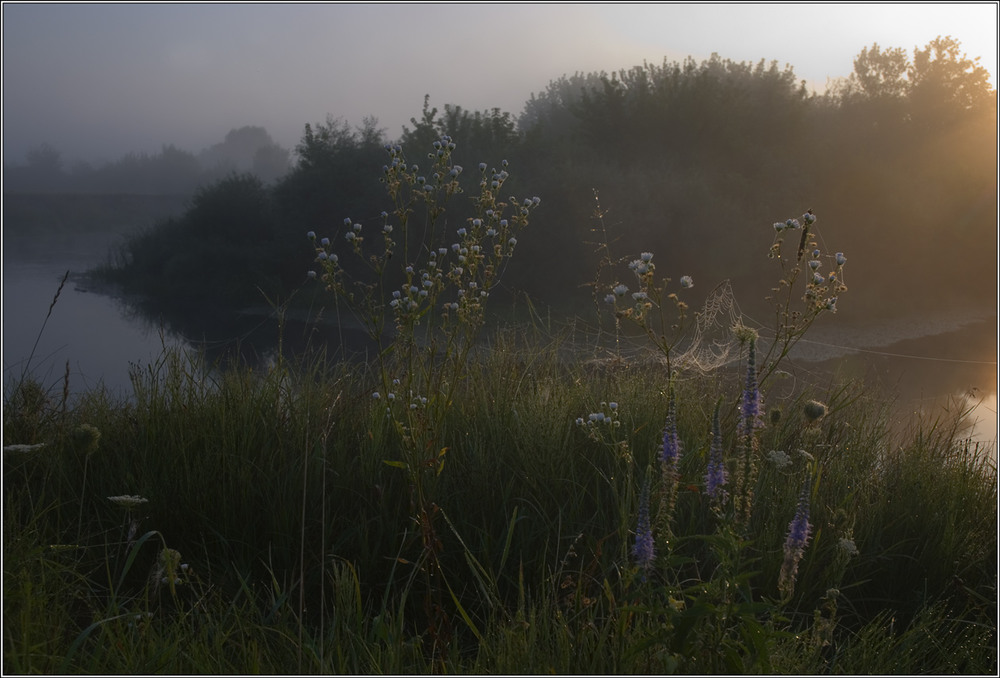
[[686, 281]]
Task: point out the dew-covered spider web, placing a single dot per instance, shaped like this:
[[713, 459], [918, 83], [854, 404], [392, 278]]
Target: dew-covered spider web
[[706, 342], [711, 342]]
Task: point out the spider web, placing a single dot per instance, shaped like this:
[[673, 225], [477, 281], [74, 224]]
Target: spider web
[[712, 342]]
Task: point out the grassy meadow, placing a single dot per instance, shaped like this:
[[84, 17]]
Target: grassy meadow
[[480, 499]]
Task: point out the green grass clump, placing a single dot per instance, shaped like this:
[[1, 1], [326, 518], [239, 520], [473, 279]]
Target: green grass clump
[[301, 552]]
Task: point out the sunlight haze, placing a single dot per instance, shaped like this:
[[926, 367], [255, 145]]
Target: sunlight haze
[[98, 81]]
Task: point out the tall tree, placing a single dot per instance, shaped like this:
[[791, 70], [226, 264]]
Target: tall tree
[[881, 74], [945, 83]]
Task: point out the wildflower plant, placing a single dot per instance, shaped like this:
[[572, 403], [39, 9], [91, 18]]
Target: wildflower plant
[[724, 603], [751, 420], [815, 277], [604, 426], [419, 283], [651, 304], [669, 457], [644, 550], [715, 473], [420, 288], [799, 531]]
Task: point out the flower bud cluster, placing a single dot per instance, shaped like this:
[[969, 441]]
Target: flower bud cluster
[[453, 277], [637, 305]]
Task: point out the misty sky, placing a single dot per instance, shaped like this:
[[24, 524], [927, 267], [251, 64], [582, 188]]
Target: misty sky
[[98, 81]]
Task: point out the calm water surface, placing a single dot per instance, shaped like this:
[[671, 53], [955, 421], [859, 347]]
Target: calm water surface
[[952, 368]]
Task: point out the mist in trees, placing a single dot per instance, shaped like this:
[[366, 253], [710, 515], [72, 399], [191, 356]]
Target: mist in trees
[[171, 171], [690, 160]]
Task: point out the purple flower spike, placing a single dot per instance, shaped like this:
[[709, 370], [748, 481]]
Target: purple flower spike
[[795, 544], [752, 405], [715, 477], [671, 452], [643, 550]]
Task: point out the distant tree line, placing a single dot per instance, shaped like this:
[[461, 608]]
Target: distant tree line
[[693, 161], [172, 171]]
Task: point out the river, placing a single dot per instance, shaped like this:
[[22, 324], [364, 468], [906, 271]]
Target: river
[[928, 365]]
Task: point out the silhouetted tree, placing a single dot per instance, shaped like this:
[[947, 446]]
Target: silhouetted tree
[[944, 83]]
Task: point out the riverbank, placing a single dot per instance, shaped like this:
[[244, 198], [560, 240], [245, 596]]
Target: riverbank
[[832, 339]]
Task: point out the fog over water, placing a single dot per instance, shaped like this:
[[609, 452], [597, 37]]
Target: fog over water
[[928, 366]]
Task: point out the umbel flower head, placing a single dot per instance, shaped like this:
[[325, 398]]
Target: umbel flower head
[[128, 501], [795, 544], [643, 550]]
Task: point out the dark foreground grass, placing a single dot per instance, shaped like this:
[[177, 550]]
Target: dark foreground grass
[[278, 536]]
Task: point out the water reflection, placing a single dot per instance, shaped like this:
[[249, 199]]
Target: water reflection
[[934, 378], [85, 335]]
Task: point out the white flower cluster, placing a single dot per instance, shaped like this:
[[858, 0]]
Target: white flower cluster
[[779, 458], [600, 418], [128, 501]]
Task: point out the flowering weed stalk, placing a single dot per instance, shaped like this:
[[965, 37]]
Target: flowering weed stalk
[[670, 457], [751, 420], [659, 313], [644, 551], [801, 267], [715, 473], [431, 278], [799, 531]]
